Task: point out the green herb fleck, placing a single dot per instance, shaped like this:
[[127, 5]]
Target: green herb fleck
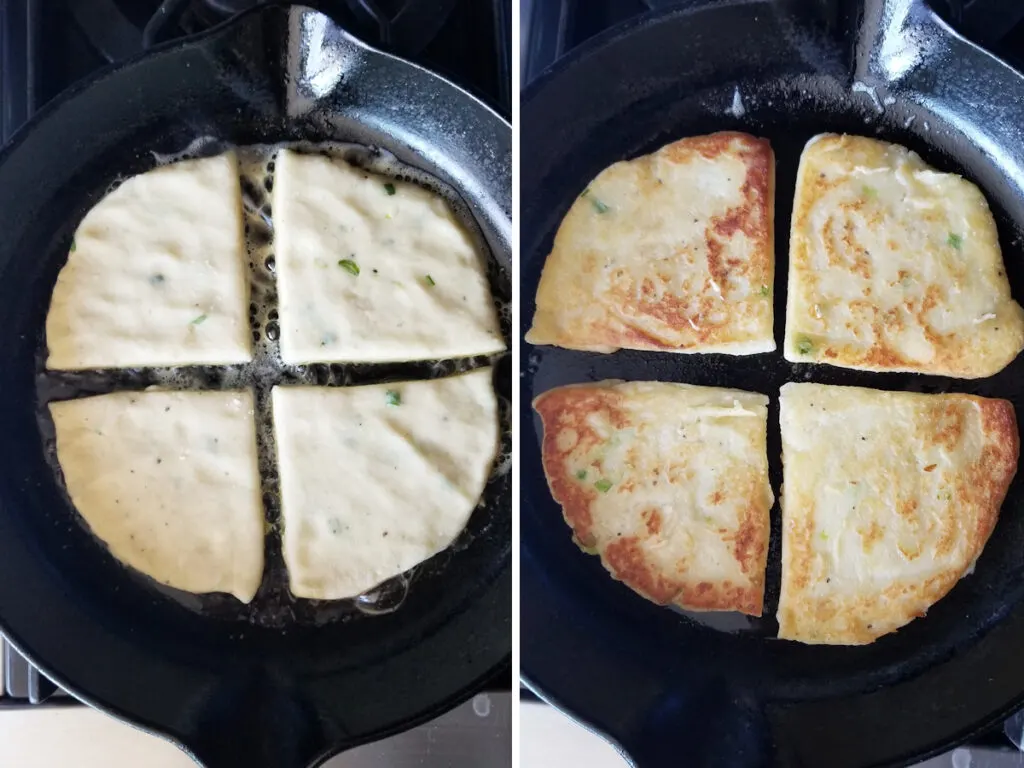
[[198, 320], [73, 246], [869, 192], [804, 345], [394, 397], [430, 281], [955, 240], [824, 536], [764, 290], [349, 265], [603, 485], [389, 188], [599, 205], [945, 496], [581, 474]]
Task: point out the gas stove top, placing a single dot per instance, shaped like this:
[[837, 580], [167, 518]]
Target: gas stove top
[[44, 52]]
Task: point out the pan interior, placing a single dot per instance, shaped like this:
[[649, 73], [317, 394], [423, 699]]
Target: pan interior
[[274, 606], [788, 110]]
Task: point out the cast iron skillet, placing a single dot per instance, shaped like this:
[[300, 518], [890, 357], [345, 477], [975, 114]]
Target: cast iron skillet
[[671, 689], [281, 683]]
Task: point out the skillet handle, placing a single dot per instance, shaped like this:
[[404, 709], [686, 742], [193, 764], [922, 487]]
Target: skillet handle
[[680, 748], [257, 749], [905, 49], [897, 39], [730, 731], [257, 724]]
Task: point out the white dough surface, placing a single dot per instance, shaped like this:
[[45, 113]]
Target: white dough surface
[[156, 274], [376, 479], [170, 482], [368, 276]]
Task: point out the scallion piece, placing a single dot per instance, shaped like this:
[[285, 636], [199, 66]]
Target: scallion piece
[[598, 204]]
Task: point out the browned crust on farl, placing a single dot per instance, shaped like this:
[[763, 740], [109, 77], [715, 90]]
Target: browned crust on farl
[[982, 487], [989, 480], [654, 312], [949, 349], [565, 411], [753, 217]]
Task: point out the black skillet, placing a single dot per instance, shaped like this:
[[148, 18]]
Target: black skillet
[[280, 683], [671, 689]]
